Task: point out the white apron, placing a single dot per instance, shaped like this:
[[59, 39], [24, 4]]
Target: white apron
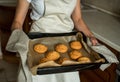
[[56, 17]]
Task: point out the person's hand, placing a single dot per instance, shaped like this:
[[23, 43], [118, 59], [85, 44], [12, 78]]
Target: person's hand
[[93, 40]]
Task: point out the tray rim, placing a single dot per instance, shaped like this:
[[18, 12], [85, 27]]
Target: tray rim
[[41, 71]]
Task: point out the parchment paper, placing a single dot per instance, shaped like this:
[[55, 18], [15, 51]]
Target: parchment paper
[[50, 42]]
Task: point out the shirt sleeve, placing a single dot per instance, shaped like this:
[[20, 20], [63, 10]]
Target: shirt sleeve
[[29, 1]]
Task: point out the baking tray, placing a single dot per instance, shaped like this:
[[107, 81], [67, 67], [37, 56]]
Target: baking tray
[[68, 68]]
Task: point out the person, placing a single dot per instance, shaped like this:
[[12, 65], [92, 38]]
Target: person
[[53, 16]]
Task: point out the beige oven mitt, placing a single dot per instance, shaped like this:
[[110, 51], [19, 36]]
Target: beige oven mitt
[[103, 50], [18, 42]]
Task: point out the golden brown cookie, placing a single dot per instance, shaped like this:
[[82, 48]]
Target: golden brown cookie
[[84, 60], [61, 60], [75, 54], [61, 48], [43, 60], [75, 45], [40, 48], [52, 55]]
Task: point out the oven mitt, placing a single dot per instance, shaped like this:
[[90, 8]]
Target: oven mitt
[[103, 50], [18, 42]]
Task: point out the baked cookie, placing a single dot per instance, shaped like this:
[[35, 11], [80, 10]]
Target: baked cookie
[[84, 60], [61, 60], [52, 55], [62, 48], [75, 45], [75, 54], [43, 60], [40, 48]]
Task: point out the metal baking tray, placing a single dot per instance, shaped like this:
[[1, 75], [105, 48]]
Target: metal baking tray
[[68, 68]]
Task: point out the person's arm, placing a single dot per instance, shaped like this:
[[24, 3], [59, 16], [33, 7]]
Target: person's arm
[[20, 14], [80, 24]]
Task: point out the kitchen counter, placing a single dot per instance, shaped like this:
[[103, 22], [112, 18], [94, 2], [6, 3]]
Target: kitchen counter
[[105, 27]]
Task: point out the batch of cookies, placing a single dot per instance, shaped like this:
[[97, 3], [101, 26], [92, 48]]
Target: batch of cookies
[[59, 50]]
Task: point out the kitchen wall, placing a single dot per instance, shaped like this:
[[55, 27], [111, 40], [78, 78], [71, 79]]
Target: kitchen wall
[[8, 2], [111, 6], [0, 49]]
